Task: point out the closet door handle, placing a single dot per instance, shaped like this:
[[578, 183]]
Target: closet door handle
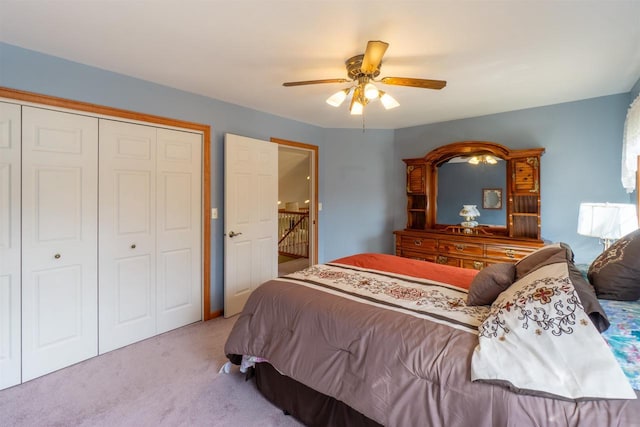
[[133, 246], [57, 256]]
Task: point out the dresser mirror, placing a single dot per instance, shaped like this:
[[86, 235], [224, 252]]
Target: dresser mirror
[[499, 186], [463, 183]]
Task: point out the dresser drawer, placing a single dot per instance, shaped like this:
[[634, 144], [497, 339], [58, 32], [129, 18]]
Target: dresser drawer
[[473, 264], [419, 256], [418, 243], [460, 248], [448, 260], [507, 253]]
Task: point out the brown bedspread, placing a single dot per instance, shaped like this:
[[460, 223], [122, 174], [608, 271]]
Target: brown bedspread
[[395, 368]]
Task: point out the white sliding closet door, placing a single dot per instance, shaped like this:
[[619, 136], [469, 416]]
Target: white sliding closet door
[[179, 228], [9, 245], [127, 233], [59, 240]]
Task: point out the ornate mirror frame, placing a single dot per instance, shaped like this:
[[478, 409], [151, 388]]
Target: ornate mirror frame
[[521, 195]]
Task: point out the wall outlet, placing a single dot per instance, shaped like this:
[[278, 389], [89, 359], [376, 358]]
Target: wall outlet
[[319, 206]]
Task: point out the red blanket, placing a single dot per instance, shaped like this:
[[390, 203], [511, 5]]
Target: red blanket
[[456, 276]]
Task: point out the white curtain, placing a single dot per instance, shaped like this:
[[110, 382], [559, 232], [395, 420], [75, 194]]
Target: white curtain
[[631, 146]]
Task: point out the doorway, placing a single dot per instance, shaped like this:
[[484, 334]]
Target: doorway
[[297, 205]]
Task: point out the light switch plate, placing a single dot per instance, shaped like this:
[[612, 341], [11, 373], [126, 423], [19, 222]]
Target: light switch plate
[[214, 213]]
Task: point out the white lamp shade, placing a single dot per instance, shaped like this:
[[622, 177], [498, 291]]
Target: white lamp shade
[[356, 108], [388, 101], [607, 220], [338, 98], [370, 91], [469, 211]]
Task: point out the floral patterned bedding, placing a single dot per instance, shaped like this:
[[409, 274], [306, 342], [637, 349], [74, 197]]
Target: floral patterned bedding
[[397, 366], [623, 336]]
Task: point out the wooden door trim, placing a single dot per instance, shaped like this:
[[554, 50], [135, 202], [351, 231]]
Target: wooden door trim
[[63, 103], [313, 148]]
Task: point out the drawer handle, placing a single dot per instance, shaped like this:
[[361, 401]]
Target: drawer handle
[[417, 242], [459, 247], [57, 256], [478, 265], [133, 246], [442, 259], [510, 253]]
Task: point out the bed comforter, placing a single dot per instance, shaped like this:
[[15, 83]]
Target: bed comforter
[[394, 362]]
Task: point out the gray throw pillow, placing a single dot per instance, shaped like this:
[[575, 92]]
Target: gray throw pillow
[[541, 257], [615, 273], [490, 282]]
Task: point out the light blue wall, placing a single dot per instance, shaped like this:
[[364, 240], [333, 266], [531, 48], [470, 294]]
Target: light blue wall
[[352, 176], [635, 90], [359, 185], [583, 142], [361, 175]]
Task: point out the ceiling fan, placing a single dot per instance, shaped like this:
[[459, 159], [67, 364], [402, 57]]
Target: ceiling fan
[[362, 71]]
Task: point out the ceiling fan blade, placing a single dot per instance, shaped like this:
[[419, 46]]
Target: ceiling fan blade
[[315, 82], [408, 81], [373, 56]]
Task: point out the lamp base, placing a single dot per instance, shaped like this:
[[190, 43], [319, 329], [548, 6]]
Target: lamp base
[[469, 224], [607, 242]]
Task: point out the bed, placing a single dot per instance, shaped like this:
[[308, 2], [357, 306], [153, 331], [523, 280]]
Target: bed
[[376, 339]]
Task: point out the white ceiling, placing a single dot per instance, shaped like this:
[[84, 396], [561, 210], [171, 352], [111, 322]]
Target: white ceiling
[[495, 55]]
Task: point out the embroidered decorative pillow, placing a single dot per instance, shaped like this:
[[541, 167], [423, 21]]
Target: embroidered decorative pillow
[[561, 252], [587, 295], [537, 340], [615, 273], [489, 282]]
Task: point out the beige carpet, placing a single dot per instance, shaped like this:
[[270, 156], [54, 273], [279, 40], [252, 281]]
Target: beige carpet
[[292, 265], [168, 380]]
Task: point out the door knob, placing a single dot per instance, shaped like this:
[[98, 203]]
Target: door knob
[[234, 234]]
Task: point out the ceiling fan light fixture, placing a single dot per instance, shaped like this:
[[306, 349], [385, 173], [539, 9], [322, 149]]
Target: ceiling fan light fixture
[[358, 101], [338, 98], [356, 108], [388, 101], [371, 91], [490, 160]]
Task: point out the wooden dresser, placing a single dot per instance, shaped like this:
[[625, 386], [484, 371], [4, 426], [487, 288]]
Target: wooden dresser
[[424, 238], [461, 250]]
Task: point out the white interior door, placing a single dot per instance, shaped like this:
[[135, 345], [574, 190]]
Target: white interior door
[[127, 231], [179, 245], [251, 218], [9, 245], [59, 240]]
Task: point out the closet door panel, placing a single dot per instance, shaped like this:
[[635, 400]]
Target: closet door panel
[[127, 233], [59, 240], [179, 229], [9, 245]]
